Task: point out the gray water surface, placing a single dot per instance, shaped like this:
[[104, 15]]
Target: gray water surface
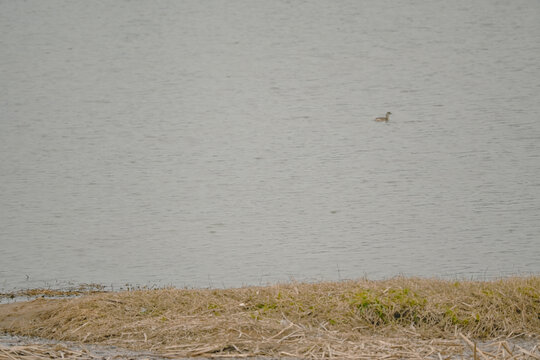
[[223, 143]]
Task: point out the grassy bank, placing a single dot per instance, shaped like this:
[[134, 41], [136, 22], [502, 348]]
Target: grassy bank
[[335, 319]]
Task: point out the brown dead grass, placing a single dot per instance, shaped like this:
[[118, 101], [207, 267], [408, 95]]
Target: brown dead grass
[[35, 352], [400, 318], [371, 348]]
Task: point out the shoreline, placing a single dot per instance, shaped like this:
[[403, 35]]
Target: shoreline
[[28, 348], [403, 317]]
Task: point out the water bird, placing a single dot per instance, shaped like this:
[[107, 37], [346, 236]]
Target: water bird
[[385, 119]]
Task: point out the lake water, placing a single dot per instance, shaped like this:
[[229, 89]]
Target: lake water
[[227, 143]]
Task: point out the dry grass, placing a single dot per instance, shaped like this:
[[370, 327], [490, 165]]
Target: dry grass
[[397, 318], [34, 352], [372, 348]]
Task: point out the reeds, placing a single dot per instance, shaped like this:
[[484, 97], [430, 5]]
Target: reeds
[[397, 318], [40, 351], [371, 348]]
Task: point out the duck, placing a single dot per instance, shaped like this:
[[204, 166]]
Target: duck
[[385, 119]]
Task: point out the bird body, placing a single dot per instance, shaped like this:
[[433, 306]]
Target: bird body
[[385, 119]]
